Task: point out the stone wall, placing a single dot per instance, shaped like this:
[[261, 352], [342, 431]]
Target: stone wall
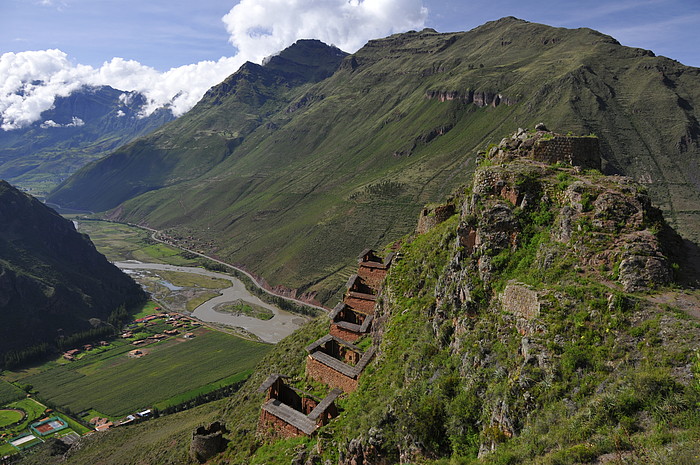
[[208, 441], [373, 276], [321, 373], [361, 305], [431, 217], [343, 333], [273, 428], [577, 151], [521, 301]]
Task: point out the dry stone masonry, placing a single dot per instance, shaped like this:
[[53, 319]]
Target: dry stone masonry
[[332, 360]]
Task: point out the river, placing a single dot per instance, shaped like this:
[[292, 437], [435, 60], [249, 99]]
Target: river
[[281, 325]]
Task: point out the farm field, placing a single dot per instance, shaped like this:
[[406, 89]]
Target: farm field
[[116, 384], [9, 392], [120, 242]]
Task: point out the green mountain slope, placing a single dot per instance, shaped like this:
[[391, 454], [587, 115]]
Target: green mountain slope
[[79, 128], [527, 327], [52, 279], [290, 181]]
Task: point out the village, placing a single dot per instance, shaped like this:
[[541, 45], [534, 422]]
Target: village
[[36, 422]]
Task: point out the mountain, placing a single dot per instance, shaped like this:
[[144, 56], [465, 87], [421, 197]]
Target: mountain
[[533, 316], [52, 279], [79, 128], [290, 178]]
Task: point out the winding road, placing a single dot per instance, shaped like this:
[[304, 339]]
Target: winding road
[[281, 325]]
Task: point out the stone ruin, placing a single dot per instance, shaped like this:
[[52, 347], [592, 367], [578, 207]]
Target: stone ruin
[[288, 412], [208, 441], [548, 147], [333, 360], [336, 362]]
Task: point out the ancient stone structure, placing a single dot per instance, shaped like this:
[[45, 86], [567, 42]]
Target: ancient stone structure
[[288, 412], [520, 300], [208, 441], [336, 362], [372, 269], [348, 323], [360, 296], [432, 216], [577, 151], [333, 359]]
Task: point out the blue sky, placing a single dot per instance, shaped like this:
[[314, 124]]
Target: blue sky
[[165, 34], [174, 50]]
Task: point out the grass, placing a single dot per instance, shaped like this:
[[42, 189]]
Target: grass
[[8, 417], [9, 392], [199, 300], [117, 385], [241, 307], [119, 242], [33, 409], [192, 280], [189, 395]]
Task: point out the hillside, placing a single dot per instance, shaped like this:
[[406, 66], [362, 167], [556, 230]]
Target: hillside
[[52, 280], [78, 129], [290, 180], [532, 318]]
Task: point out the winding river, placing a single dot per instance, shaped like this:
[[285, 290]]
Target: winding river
[[281, 325]]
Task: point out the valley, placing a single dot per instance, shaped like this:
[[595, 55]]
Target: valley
[[504, 222], [164, 361]]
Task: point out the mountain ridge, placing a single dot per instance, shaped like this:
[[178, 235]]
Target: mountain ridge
[[361, 151], [81, 127], [52, 279]]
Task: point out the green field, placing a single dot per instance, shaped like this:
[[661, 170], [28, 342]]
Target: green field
[[122, 242], [118, 385], [9, 392], [8, 417]]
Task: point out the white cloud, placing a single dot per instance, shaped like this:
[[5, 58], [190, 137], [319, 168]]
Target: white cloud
[[75, 122], [30, 81], [259, 28]]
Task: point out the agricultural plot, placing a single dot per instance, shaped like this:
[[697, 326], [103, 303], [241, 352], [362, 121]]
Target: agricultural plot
[[122, 384], [9, 393], [122, 242]]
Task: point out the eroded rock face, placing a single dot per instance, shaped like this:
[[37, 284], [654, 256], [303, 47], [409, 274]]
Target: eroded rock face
[[643, 264], [208, 441]]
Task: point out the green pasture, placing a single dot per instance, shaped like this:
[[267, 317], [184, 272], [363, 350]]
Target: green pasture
[[189, 395], [8, 417], [192, 280], [119, 385], [120, 242]]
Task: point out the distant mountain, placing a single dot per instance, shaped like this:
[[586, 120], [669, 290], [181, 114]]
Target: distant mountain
[[52, 279], [291, 177], [82, 127]]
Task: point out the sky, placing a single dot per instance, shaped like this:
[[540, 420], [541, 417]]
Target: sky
[[173, 51]]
